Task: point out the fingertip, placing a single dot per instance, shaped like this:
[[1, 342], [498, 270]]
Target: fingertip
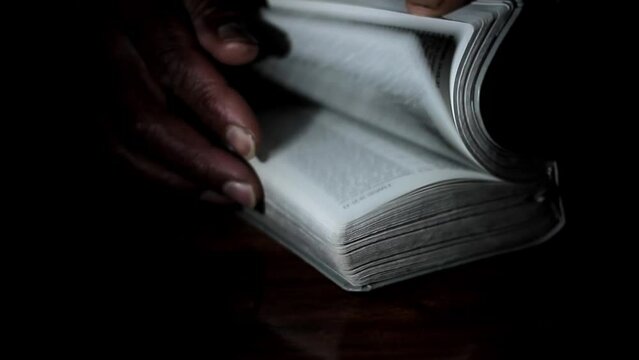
[[230, 43], [232, 179], [239, 181], [422, 10], [433, 8], [215, 198], [237, 53], [243, 193], [235, 32], [240, 126], [241, 141]]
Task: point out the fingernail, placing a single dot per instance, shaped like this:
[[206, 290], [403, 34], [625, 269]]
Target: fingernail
[[234, 32], [431, 4], [424, 7], [241, 192], [213, 197], [241, 141]]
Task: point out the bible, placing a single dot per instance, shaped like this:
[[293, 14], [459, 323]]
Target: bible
[[382, 169]]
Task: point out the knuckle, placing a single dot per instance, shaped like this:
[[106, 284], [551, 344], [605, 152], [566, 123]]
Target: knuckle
[[213, 169], [173, 180], [206, 95], [182, 71], [171, 65], [205, 165], [173, 58]]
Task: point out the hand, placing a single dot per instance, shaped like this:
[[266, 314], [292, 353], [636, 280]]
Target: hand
[[434, 7], [163, 53]]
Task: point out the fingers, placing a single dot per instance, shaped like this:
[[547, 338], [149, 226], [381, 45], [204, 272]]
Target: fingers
[[154, 170], [177, 148], [172, 52], [157, 172], [222, 28], [226, 38], [184, 148], [433, 7], [234, 32]]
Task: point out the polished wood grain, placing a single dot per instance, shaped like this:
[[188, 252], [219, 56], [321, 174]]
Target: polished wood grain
[[160, 273], [511, 307]]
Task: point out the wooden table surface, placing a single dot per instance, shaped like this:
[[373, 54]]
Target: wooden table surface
[[188, 276], [505, 308]]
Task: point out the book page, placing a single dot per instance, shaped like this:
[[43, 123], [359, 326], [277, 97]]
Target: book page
[[380, 67], [329, 170], [399, 6]]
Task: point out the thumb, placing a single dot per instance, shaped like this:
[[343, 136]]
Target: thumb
[[433, 7]]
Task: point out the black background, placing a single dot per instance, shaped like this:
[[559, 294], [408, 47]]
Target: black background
[[93, 233]]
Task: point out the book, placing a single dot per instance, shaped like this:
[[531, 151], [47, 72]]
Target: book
[[384, 170]]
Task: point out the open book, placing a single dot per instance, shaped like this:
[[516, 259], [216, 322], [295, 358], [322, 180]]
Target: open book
[[386, 171]]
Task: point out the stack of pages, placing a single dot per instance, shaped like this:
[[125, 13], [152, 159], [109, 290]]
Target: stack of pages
[[386, 170]]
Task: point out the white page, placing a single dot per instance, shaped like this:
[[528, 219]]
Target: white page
[[365, 62], [327, 170]]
